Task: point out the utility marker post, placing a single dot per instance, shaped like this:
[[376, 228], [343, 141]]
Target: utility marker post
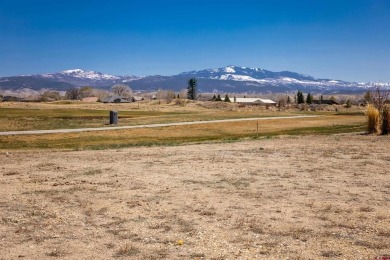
[[257, 131], [113, 117]]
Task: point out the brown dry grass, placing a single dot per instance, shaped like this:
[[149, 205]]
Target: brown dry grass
[[373, 117], [32, 116], [311, 197], [185, 134]]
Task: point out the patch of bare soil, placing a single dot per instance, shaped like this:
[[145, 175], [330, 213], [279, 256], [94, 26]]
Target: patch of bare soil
[[306, 197]]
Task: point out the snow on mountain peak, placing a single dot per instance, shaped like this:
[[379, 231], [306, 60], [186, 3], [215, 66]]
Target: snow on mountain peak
[[230, 69], [72, 71], [88, 74]]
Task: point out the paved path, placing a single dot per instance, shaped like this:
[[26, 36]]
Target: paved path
[[55, 131]]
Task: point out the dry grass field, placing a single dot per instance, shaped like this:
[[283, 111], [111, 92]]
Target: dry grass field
[[16, 116], [285, 197], [309, 188], [62, 115]]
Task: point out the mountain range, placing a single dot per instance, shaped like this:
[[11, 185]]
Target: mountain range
[[230, 79]]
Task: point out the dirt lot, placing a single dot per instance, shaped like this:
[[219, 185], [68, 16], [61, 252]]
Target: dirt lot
[[309, 197]]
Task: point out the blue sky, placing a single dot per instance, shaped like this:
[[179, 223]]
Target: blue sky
[[343, 39]]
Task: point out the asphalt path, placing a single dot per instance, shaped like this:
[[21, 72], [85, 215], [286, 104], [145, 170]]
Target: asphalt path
[[77, 130]]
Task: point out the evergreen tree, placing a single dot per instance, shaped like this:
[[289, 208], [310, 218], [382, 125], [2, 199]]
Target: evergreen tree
[[214, 98], [218, 98], [321, 99], [309, 99], [191, 89], [227, 99], [300, 98], [288, 100]]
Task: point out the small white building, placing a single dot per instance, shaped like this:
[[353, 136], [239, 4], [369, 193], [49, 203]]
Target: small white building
[[254, 101]]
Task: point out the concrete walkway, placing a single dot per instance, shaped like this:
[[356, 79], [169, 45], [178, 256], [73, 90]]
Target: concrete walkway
[[55, 131]]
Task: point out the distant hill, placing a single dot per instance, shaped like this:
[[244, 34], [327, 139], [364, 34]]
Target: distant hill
[[231, 79]]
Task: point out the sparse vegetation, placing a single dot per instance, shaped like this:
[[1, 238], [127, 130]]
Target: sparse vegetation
[[247, 200], [378, 111], [127, 250], [373, 119]]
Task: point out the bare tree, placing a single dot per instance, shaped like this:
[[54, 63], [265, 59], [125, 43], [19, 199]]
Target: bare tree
[[379, 97], [122, 90], [282, 103], [100, 94], [50, 95], [170, 96], [161, 94], [183, 93], [86, 91], [73, 94]]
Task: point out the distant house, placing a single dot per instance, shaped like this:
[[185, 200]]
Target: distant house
[[326, 102], [254, 101], [115, 99], [135, 99]]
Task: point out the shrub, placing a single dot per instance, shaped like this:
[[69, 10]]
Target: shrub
[[386, 120], [373, 119], [348, 104]]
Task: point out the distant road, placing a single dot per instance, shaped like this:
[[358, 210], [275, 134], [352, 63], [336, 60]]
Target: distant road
[[56, 131]]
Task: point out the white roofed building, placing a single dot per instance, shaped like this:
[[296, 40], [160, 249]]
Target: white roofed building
[[254, 101]]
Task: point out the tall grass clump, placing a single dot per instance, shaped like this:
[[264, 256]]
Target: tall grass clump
[[386, 120], [373, 116]]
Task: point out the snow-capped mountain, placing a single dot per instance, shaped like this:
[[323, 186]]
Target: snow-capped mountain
[[88, 74], [81, 77], [263, 77], [225, 79], [245, 74]]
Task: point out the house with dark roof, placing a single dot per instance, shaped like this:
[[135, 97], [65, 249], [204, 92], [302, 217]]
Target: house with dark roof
[[115, 99]]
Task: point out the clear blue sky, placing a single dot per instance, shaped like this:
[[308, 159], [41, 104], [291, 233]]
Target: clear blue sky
[[338, 39]]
